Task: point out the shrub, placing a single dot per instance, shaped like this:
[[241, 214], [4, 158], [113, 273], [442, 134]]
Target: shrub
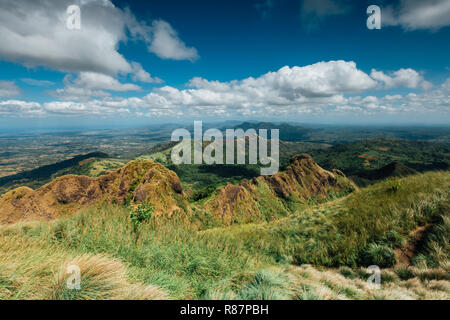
[[379, 255], [202, 193], [266, 285], [393, 185], [142, 214], [392, 239], [347, 272], [405, 273]]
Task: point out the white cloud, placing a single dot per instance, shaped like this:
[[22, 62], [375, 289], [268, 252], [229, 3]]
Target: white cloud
[[34, 33], [408, 78], [139, 74], [78, 94], [302, 88], [91, 84], [167, 45], [93, 107], [418, 14], [9, 89], [18, 108], [94, 80], [37, 83], [446, 85], [325, 88]]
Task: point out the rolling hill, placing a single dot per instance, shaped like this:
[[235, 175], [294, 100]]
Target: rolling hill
[[373, 159]]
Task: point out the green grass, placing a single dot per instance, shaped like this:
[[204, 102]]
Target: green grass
[[337, 233], [250, 261], [173, 257]]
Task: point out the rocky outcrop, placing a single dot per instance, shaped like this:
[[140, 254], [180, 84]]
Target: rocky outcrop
[[265, 197], [138, 181]]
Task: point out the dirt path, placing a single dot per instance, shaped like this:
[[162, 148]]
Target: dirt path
[[409, 250]]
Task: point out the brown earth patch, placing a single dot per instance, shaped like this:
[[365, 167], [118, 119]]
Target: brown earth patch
[[367, 157], [405, 254]]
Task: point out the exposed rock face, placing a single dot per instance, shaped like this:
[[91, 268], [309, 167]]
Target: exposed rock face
[[138, 181], [302, 180]]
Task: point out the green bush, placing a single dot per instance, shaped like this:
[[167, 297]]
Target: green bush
[[142, 214], [394, 185], [376, 254], [202, 193], [347, 272], [392, 239], [266, 285], [405, 273]]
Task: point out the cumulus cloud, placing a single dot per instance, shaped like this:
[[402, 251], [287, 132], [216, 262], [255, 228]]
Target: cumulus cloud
[[34, 33], [296, 90], [94, 80], [322, 79], [18, 108], [139, 74], [408, 78], [91, 84], [9, 89], [167, 45], [427, 102], [418, 14], [333, 87]]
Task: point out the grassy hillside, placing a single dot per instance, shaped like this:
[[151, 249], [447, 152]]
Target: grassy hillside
[[372, 220], [315, 253], [362, 159]]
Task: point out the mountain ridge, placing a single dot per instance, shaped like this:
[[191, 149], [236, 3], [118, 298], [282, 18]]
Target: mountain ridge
[[148, 181]]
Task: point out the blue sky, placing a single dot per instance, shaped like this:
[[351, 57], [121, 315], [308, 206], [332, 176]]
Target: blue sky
[[140, 62]]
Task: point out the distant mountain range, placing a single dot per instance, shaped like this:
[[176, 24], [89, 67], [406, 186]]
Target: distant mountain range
[[39, 176]]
